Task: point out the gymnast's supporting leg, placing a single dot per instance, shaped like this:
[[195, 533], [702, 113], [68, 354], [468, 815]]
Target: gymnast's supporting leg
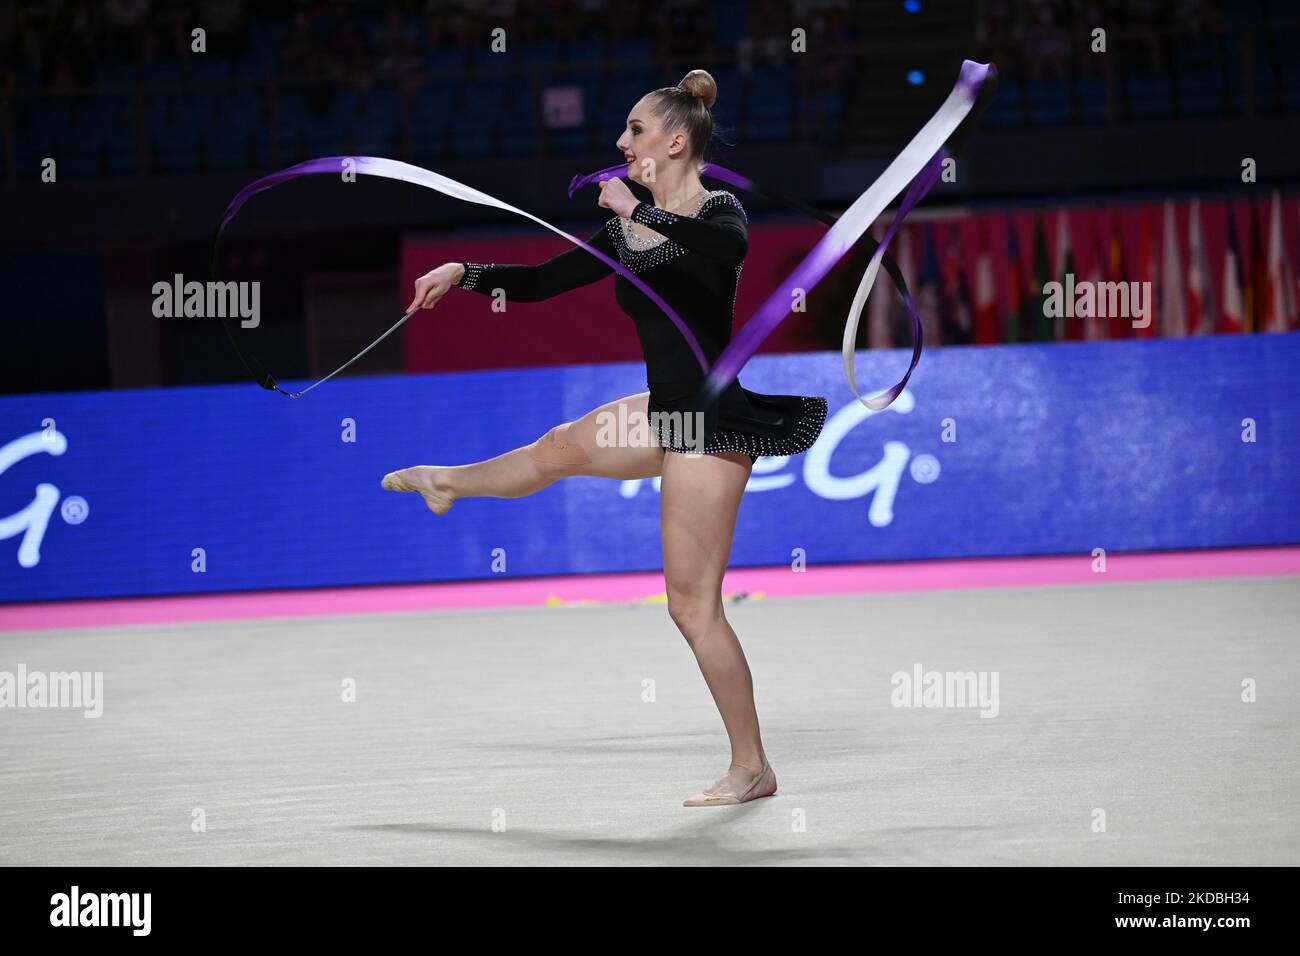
[[700, 497], [568, 449]]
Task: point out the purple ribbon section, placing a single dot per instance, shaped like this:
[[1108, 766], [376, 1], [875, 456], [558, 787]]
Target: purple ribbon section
[[393, 169], [807, 274]]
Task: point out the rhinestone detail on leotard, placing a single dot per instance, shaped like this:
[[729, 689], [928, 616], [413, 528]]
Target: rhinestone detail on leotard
[[473, 271], [639, 254], [809, 426]]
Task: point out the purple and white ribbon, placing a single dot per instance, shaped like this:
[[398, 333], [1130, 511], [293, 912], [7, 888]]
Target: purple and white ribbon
[[916, 169], [394, 169]]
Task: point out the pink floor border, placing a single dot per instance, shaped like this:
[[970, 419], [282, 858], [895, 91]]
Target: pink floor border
[[648, 587]]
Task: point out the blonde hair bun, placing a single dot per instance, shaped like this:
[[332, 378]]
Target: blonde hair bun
[[700, 83]]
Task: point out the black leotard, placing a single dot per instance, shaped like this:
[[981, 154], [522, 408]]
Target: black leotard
[[695, 268]]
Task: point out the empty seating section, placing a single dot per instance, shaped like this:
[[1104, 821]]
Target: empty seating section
[[245, 111]]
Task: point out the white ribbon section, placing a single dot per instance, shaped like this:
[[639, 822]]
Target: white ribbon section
[[871, 204]]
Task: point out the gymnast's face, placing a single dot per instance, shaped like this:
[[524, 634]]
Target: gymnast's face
[[646, 147]]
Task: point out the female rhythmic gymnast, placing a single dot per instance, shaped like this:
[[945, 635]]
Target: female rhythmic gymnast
[[689, 246]]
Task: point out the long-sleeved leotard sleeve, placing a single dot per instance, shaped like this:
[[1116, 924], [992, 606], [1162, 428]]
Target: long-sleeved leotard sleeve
[[719, 232], [533, 283]]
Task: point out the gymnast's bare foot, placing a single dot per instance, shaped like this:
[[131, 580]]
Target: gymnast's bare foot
[[738, 785], [429, 480]]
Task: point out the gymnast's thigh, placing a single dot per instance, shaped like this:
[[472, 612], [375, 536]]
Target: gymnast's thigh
[[611, 441]]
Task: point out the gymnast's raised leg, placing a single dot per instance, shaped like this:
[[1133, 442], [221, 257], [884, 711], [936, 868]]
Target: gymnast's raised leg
[[573, 448]]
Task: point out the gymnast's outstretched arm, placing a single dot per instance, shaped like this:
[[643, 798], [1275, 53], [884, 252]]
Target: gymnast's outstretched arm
[[520, 283]]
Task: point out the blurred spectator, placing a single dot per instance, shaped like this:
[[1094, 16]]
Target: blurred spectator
[[302, 53], [1046, 44], [687, 27], [227, 26], [68, 55], [767, 34], [450, 24], [592, 14], [1145, 20], [122, 36], [997, 31], [395, 46], [828, 26]]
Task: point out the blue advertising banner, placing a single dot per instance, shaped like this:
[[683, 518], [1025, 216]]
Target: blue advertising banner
[[991, 451]]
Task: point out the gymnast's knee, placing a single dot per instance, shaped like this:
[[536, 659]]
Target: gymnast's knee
[[558, 447]]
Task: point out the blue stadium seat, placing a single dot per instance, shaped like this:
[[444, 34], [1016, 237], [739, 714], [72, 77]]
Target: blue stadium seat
[[203, 103], [1004, 109], [29, 153], [446, 59], [380, 105], [486, 95], [239, 108], [205, 69], [226, 148], [630, 48], [428, 134], [257, 65], [621, 95], [770, 129], [588, 50], [177, 148], [1048, 100], [1091, 93], [376, 140], [375, 122], [263, 57], [123, 157], [730, 16], [1290, 80], [771, 93], [473, 133], [1198, 53], [235, 125], [49, 116], [1150, 95], [115, 76], [1235, 74], [268, 35], [542, 53], [160, 73], [80, 158], [520, 140], [450, 89], [1200, 94], [291, 113], [103, 115], [828, 111], [160, 109], [1242, 11], [575, 140], [470, 142]]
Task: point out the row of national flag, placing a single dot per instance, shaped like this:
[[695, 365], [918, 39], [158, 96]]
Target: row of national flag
[[1189, 268]]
